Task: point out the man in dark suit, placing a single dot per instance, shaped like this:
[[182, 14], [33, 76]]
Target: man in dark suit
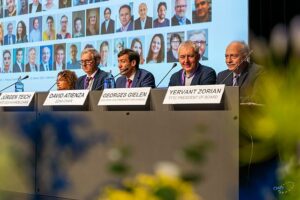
[[180, 10], [125, 18], [108, 26], [9, 38], [94, 78], [19, 65], [31, 65], [132, 75], [199, 38], [240, 72], [35, 6], [144, 21], [46, 65], [192, 72]]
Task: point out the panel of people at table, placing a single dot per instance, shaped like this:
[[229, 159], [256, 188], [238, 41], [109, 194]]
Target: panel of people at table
[[240, 72]]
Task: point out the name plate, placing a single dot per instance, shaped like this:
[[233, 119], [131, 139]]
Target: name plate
[[198, 94], [16, 99], [124, 96], [66, 98]]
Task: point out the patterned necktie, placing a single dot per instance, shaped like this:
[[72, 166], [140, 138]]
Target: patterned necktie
[[87, 82], [129, 83], [235, 80]]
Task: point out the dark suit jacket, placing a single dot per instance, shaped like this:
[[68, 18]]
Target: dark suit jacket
[[138, 25], [110, 27], [247, 81], [98, 81], [39, 8], [175, 22], [42, 68], [203, 76], [27, 68], [130, 27], [196, 19], [6, 39], [17, 69], [142, 78]]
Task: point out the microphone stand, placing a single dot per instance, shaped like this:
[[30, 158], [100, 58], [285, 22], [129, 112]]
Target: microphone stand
[[19, 79], [173, 66]]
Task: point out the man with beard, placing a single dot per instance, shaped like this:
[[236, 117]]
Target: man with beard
[[161, 21], [180, 10]]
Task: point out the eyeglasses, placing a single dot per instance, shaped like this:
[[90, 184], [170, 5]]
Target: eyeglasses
[[201, 42], [86, 62], [175, 41]]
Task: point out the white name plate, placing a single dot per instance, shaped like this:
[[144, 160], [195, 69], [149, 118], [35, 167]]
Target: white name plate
[[12, 99], [198, 94], [66, 98], [124, 96]]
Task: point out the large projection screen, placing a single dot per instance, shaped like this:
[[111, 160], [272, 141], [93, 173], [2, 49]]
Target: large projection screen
[[227, 21]]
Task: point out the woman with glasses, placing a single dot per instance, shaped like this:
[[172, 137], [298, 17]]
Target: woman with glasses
[[172, 54]]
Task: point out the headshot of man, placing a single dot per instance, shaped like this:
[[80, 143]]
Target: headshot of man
[[19, 64], [6, 62], [125, 18], [49, 32], [161, 20], [66, 80], [108, 26], [202, 12], [64, 3], [192, 72], [240, 72], [199, 38], [11, 8], [179, 17], [132, 75], [92, 22], [104, 53], [46, 64], [172, 54], [63, 34], [23, 7], [35, 6], [77, 28], [10, 38], [35, 34], [94, 77], [73, 63], [144, 21], [137, 46], [21, 32], [31, 66], [156, 53], [59, 58], [49, 5]]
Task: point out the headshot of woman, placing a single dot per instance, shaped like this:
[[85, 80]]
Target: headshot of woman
[[1, 34], [92, 25], [137, 46], [66, 80], [49, 33], [21, 32], [156, 53], [172, 54]]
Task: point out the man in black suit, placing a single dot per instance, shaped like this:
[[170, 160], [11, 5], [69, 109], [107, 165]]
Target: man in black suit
[[19, 65], [199, 38], [240, 72], [192, 72], [108, 26], [180, 10], [35, 6], [46, 65], [31, 65], [94, 78], [144, 21]]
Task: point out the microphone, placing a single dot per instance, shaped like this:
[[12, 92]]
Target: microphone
[[236, 67], [173, 66], [19, 79], [52, 86], [126, 69]]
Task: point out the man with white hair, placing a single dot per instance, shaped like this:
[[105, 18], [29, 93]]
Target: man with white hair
[[180, 10]]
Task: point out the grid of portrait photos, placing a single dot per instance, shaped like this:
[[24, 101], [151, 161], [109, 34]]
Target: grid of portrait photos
[[48, 35]]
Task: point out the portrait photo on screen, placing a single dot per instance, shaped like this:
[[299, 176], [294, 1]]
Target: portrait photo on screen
[[23, 7], [7, 61], [1, 8], [125, 18], [137, 44], [143, 12], [119, 45], [200, 38], [88, 44], [35, 6], [161, 13], [50, 5], [65, 4], [156, 48], [64, 26], [32, 59], [22, 32], [107, 19], [202, 11], [73, 55], [1, 34], [9, 33], [105, 51], [79, 2], [10, 8], [78, 24], [173, 42], [35, 29], [181, 12], [92, 21], [18, 60], [46, 58], [59, 57], [49, 31]]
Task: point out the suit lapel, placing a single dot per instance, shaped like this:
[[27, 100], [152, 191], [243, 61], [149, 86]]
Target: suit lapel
[[243, 76], [136, 78], [196, 75]]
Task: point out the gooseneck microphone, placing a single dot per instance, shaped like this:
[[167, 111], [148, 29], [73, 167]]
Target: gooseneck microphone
[[52, 86], [124, 70], [19, 79], [236, 67], [173, 66]]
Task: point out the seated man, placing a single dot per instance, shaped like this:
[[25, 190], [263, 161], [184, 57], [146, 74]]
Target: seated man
[[240, 72], [94, 78], [192, 72], [132, 75]]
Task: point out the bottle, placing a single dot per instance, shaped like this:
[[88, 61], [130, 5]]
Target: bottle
[[19, 86], [109, 81]]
